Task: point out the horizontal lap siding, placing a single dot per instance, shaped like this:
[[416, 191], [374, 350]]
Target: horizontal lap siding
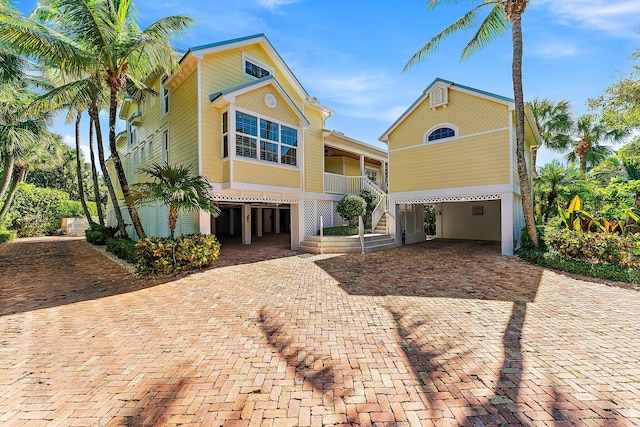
[[479, 160], [183, 127], [314, 152], [264, 174], [220, 71], [334, 165]]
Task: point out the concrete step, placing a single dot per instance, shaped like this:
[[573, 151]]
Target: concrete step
[[347, 244]]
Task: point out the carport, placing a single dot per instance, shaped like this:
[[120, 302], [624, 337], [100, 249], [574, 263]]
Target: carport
[[486, 217]]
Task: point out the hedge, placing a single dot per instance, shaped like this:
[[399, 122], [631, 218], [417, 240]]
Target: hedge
[[601, 271], [7, 235], [123, 248]]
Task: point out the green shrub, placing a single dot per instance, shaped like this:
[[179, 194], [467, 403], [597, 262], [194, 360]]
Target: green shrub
[[37, 211], [597, 248], [164, 256], [7, 235], [601, 271], [99, 234], [351, 206], [525, 240], [123, 248]]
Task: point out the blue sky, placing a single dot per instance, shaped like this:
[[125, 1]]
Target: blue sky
[[350, 54]]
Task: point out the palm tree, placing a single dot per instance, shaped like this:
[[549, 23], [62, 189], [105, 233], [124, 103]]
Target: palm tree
[[101, 36], [502, 13], [554, 123], [94, 173], [590, 133], [175, 187], [555, 179]]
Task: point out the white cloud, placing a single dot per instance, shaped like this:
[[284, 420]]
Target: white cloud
[[272, 4], [70, 140], [554, 49], [611, 16]]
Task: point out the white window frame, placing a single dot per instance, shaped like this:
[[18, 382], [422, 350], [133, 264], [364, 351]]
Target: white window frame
[[227, 133], [165, 146], [164, 102], [375, 172], [456, 131], [248, 58], [131, 131], [298, 147]]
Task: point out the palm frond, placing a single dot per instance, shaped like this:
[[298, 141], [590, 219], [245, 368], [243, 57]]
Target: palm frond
[[494, 25]]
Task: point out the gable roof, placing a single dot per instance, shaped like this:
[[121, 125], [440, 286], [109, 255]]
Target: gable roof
[[262, 40], [450, 85], [229, 95]]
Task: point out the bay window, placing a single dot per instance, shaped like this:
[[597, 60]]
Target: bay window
[[265, 140]]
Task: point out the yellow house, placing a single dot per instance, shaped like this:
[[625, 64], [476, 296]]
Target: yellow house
[[236, 113], [454, 149]]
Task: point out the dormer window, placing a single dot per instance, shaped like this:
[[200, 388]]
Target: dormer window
[[255, 69]]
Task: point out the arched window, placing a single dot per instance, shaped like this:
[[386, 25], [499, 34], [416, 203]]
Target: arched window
[[441, 133]]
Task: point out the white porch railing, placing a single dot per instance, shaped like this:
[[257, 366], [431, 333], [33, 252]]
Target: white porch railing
[[341, 184]]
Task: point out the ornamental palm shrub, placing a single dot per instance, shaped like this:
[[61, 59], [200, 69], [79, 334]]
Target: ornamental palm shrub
[[161, 256], [351, 207], [177, 188]]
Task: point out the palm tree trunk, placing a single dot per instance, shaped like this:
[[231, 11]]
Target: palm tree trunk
[[19, 176], [173, 220], [94, 173], [6, 175], [583, 167], [122, 227], [79, 170], [122, 177], [515, 16]]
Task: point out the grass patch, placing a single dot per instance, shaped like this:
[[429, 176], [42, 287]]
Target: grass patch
[[342, 230]]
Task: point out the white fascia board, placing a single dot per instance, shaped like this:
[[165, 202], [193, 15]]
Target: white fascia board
[[454, 192]]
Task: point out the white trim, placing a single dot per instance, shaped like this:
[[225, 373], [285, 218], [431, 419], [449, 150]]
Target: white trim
[[456, 133], [266, 162], [511, 142], [460, 194], [222, 133], [248, 58], [323, 196], [298, 129], [266, 45], [385, 136], [471, 135], [445, 95], [164, 113], [199, 118]]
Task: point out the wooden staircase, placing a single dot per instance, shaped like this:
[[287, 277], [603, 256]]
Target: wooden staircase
[[381, 227], [346, 244]]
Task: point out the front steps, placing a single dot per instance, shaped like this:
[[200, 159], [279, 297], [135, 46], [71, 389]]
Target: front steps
[[347, 244], [381, 227]]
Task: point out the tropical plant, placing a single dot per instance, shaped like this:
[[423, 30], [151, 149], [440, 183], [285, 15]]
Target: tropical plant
[[553, 122], [501, 13], [177, 188], [554, 179], [590, 133], [103, 39]]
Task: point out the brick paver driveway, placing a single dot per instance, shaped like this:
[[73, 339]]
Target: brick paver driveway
[[428, 334]]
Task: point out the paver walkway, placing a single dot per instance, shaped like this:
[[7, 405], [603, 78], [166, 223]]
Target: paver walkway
[[427, 334]]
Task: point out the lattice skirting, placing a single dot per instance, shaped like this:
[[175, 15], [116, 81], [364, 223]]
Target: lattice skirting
[[443, 199], [314, 209]]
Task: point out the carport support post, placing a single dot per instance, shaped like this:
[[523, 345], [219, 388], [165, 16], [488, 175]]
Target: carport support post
[[297, 225], [277, 221], [506, 218], [205, 222], [259, 222], [246, 224]]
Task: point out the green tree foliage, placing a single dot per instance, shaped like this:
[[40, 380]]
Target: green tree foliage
[[553, 122], [37, 211], [555, 184]]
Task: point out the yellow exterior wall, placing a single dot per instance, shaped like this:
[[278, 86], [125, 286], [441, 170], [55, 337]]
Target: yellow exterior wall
[[351, 167], [313, 152], [469, 113], [212, 164], [226, 173], [254, 101], [183, 124], [334, 165], [264, 174], [474, 161]]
